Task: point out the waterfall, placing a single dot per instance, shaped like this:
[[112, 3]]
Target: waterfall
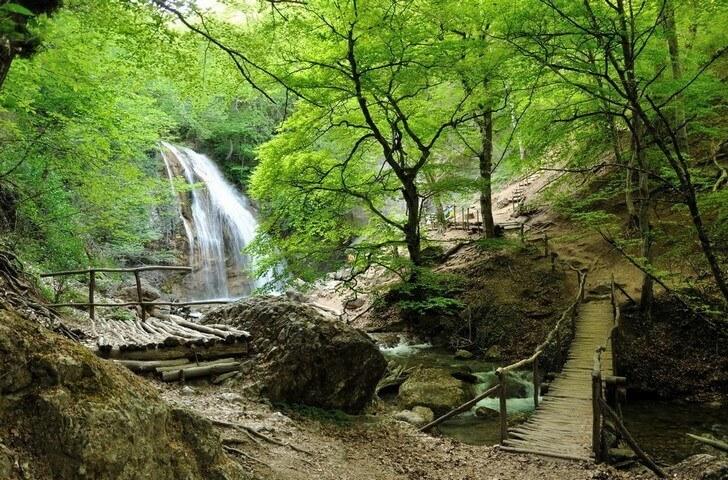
[[218, 221]]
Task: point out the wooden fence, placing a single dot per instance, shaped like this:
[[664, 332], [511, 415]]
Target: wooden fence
[[91, 272]]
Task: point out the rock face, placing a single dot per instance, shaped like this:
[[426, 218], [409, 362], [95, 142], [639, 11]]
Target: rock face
[[70, 415], [434, 388], [306, 358]]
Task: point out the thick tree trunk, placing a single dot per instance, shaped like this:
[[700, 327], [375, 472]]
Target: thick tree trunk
[[486, 167], [5, 62], [412, 227]]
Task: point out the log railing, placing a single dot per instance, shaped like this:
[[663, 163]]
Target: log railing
[[554, 338], [607, 394], [91, 304]]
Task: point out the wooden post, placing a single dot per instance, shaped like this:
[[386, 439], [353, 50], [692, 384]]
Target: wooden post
[[462, 215], [467, 220], [553, 261], [546, 244], [91, 288], [536, 383], [139, 295], [558, 345], [523, 237], [597, 416], [503, 411]]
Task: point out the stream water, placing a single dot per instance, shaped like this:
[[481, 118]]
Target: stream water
[[660, 427], [468, 427]]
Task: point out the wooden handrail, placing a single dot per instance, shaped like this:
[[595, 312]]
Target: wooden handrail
[[501, 372], [91, 271], [116, 270]]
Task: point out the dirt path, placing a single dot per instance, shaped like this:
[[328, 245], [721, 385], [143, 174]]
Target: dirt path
[[362, 448]]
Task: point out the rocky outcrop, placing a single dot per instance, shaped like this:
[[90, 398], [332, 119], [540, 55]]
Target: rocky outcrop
[[149, 293], [700, 467], [434, 388], [306, 357], [66, 414]]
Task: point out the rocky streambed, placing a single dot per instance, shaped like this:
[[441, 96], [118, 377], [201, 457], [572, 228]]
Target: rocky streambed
[[439, 380]]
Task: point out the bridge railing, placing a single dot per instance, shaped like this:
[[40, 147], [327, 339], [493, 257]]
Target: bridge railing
[[91, 304], [555, 338], [607, 395]]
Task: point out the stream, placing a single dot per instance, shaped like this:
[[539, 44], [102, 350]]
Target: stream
[[660, 427]]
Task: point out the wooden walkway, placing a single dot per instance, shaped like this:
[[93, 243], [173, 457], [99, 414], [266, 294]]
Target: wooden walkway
[[562, 424]]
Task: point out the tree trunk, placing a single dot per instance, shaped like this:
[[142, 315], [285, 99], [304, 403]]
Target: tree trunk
[[674, 49], [440, 218], [5, 62], [486, 167], [412, 227], [643, 219]]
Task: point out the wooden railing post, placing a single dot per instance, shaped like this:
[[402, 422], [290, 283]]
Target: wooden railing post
[[139, 294], [596, 406], [503, 411], [536, 382], [467, 220], [91, 288], [545, 244], [523, 238]]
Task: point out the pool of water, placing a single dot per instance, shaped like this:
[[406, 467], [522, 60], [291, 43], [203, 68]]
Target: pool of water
[[660, 427], [467, 427]]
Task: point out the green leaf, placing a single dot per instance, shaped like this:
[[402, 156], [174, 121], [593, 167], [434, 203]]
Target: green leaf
[[15, 8]]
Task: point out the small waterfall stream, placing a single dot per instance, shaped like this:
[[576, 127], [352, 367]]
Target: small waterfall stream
[[218, 221]]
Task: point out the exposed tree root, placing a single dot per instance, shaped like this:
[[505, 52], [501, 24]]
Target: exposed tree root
[[252, 432]]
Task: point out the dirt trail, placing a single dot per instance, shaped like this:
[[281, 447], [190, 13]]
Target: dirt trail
[[363, 448]]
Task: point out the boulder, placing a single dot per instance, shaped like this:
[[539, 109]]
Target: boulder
[[516, 387], [485, 412], [419, 416], [700, 467], [71, 415], [493, 354], [354, 303], [149, 293], [306, 358], [434, 388], [463, 355]]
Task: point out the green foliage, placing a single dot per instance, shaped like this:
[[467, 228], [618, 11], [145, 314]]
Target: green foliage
[[428, 294]]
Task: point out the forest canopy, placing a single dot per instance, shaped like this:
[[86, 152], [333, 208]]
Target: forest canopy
[[354, 124]]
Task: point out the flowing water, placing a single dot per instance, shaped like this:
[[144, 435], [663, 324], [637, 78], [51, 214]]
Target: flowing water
[[218, 221], [660, 427], [468, 427]]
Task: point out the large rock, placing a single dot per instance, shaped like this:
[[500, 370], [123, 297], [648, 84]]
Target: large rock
[[700, 467], [307, 358], [149, 293], [418, 416], [434, 388], [70, 415]]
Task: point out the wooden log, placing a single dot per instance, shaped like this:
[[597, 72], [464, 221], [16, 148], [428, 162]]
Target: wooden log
[[178, 351], [190, 363], [139, 294], [646, 459], [710, 441], [502, 379], [221, 378], [536, 383], [148, 366], [212, 331], [465, 406], [597, 416], [120, 270], [148, 304], [196, 372], [91, 288]]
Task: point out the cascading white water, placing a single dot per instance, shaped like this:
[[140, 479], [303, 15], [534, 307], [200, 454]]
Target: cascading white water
[[221, 224]]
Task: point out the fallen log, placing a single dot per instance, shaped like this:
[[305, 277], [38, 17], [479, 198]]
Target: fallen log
[[185, 350], [148, 366], [196, 372], [710, 441], [190, 363], [221, 378]]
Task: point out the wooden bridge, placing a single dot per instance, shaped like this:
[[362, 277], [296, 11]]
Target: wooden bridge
[[571, 420], [562, 425]]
